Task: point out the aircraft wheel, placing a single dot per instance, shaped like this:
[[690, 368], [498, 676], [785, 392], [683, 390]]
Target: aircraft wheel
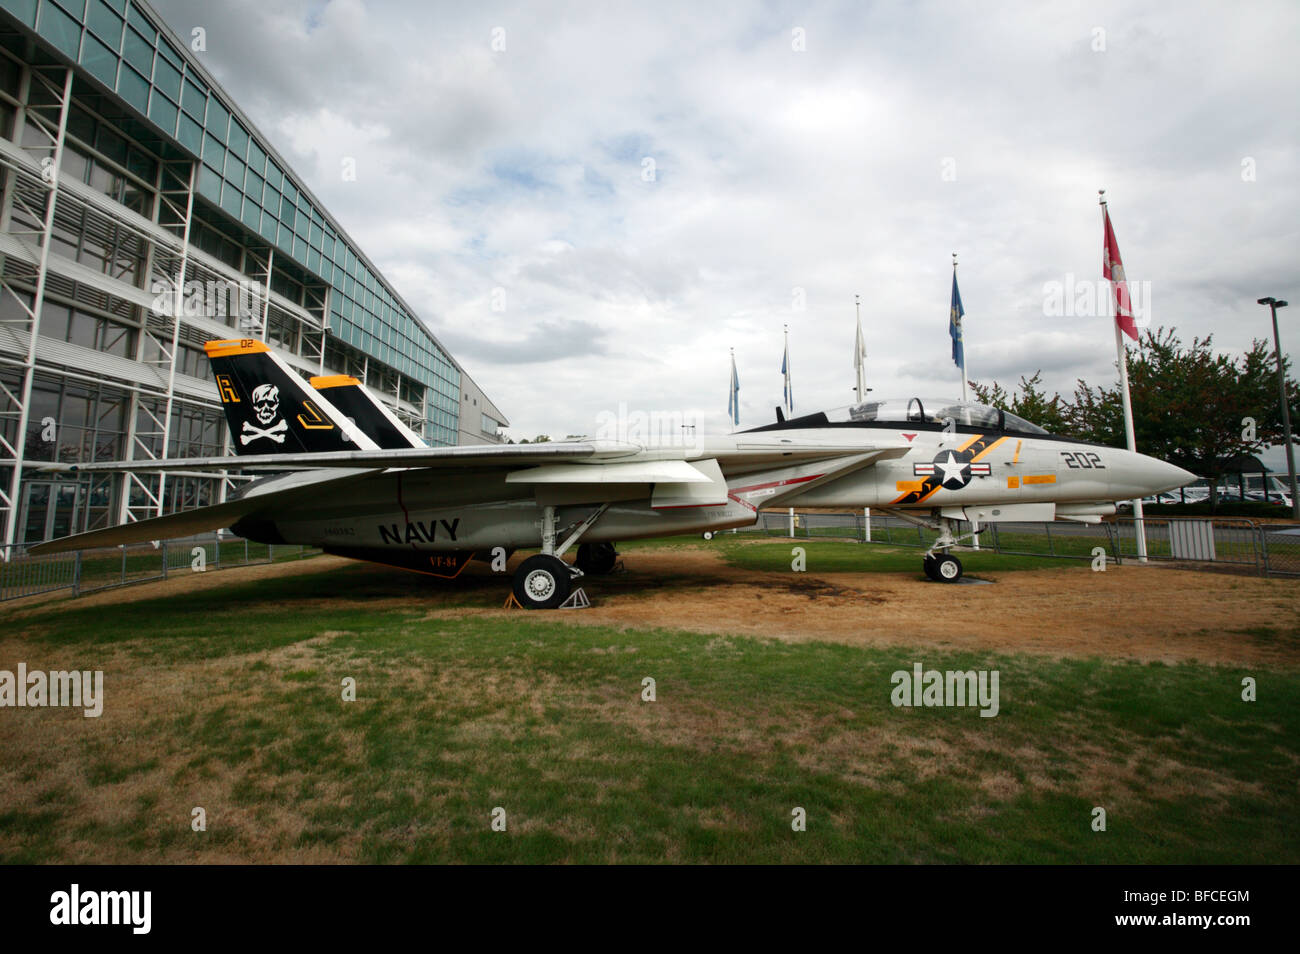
[[708, 534], [947, 569], [596, 558], [542, 582], [927, 564]]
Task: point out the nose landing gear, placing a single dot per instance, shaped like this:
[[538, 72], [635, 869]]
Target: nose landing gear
[[939, 564]]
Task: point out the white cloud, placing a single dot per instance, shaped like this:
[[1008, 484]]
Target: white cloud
[[778, 170]]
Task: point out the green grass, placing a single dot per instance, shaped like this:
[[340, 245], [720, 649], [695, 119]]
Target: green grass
[[459, 714], [830, 557]]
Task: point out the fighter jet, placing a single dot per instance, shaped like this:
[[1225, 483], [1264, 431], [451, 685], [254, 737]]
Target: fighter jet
[[934, 462]]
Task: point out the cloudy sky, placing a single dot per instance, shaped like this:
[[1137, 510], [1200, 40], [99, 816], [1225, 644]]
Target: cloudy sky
[[590, 203]]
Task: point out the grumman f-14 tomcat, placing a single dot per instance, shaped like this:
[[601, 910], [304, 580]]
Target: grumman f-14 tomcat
[[357, 486]]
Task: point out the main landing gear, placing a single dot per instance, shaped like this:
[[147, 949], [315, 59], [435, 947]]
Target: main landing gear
[[596, 559], [544, 581]]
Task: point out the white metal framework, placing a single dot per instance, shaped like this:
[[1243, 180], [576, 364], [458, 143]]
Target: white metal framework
[[60, 86]]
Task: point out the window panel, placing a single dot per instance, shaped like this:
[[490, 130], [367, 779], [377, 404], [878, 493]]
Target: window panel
[[218, 119], [232, 200], [132, 88], [235, 170], [60, 29], [137, 20], [168, 52], [209, 184], [238, 139], [105, 23], [256, 158], [214, 153], [138, 52], [190, 134], [194, 99], [168, 79], [100, 61], [163, 112]]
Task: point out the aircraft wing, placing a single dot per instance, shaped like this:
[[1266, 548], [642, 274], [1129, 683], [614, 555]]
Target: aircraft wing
[[551, 467], [508, 456]]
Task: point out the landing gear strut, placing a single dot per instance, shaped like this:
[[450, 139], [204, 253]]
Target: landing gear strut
[[939, 564]]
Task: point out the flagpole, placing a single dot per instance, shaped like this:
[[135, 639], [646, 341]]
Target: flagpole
[[1121, 357], [787, 396], [859, 358], [962, 331], [860, 366]]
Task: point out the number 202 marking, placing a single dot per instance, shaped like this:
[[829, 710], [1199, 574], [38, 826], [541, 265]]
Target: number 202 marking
[[1083, 460]]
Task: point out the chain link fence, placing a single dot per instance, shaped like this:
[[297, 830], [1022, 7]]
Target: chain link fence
[[87, 571], [1228, 541]]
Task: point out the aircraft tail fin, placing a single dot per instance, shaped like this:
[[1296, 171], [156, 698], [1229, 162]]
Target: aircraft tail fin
[[271, 409], [369, 414]]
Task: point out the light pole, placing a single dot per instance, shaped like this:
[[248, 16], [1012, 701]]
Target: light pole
[[1274, 304]]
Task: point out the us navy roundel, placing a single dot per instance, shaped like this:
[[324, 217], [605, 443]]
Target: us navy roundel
[[953, 469]]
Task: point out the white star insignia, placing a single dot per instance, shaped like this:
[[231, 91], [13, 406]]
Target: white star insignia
[[952, 468]]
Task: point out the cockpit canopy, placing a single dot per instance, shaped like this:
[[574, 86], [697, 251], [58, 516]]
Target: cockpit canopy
[[924, 410]]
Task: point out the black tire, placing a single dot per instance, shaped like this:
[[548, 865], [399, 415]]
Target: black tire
[[542, 582], [947, 569], [596, 559], [708, 534], [927, 564]]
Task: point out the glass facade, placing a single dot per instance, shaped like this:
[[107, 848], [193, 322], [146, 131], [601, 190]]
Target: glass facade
[[118, 44]]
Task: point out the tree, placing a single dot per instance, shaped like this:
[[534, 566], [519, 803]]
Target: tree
[[1031, 403], [1191, 406]]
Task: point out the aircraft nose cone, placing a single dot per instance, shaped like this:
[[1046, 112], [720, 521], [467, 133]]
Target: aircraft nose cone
[[1158, 476]]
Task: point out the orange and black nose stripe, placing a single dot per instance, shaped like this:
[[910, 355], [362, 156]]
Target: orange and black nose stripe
[[950, 467]]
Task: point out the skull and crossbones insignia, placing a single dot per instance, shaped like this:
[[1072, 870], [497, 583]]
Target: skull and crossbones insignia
[[266, 406]]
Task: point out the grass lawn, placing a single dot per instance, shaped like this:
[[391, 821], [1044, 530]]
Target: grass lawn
[[230, 698]]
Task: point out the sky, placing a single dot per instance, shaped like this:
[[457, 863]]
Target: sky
[[591, 204]]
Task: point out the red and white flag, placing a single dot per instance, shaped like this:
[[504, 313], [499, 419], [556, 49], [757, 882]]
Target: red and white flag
[[1113, 269]]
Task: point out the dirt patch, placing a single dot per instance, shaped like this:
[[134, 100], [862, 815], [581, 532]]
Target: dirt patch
[[1146, 613]]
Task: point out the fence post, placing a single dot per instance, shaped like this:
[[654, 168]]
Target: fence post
[[163, 547], [76, 574], [123, 563]]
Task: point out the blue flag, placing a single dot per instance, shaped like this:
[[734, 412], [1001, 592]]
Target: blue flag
[[785, 373], [954, 325]]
